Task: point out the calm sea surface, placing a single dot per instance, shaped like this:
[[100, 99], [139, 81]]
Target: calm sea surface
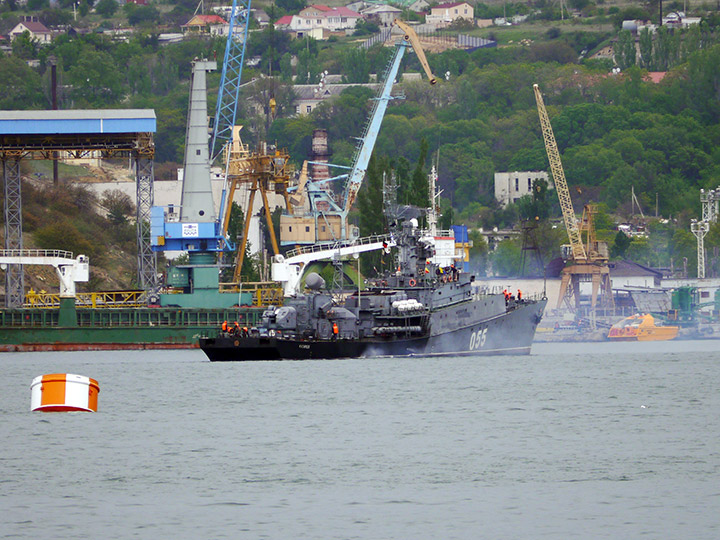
[[576, 441]]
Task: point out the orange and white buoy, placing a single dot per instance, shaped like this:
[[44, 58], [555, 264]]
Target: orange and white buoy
[[62, 392]]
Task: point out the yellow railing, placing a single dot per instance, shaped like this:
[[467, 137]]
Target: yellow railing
[[112, 299], [264, 293]]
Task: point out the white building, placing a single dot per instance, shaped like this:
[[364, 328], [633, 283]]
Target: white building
[[384, 15], [35, 28], [510, 186], [330, 19], [445, 14]]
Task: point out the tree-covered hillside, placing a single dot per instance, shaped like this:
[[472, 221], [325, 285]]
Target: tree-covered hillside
[[617, 132]]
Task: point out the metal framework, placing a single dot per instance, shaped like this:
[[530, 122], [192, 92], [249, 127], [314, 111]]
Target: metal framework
[[14, 276], [147, 258], [15, 147], [589, 261], [558, 173], [230, 79], [710, 202], [700, 229]]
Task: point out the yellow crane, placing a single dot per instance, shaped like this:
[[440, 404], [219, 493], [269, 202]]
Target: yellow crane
[[588, 262]]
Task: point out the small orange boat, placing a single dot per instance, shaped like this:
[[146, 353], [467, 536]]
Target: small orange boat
[[641, 328]]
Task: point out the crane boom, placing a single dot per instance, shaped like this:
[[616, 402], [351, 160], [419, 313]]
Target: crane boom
[[578, 250], [362, 158], [232, 65]]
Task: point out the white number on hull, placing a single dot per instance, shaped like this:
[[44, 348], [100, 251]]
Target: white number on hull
[[477, 339]]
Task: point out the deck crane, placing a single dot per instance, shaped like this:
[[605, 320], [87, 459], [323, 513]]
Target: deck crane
[[196, 227], [588, 261], [326, 220]]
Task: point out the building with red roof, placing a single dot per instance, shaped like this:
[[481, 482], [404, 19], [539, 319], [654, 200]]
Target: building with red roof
[[213, 25]]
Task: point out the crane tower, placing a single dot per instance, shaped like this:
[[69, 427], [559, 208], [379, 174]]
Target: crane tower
[[587, 261]]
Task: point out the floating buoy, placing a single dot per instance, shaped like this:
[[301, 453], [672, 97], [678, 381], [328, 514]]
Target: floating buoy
[[62, 392]]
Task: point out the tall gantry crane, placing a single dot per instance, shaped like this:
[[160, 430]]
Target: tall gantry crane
[[326, 220], [587, 261], [196, 227]]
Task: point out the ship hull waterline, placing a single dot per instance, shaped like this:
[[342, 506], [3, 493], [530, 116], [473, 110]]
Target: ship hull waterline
[[507, 334]]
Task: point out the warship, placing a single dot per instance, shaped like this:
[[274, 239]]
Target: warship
[[420, 308]]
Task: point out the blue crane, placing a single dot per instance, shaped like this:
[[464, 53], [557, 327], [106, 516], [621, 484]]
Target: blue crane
[[326, 213]]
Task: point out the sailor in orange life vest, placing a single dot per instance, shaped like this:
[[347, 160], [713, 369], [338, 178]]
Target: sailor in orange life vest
[[519, 294], [336, 330], [224, 326]]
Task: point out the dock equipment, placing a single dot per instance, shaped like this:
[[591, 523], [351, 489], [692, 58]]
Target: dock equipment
[[43, 135]]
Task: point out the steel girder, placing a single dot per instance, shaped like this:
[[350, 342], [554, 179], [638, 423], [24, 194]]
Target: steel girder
[[14, 276]]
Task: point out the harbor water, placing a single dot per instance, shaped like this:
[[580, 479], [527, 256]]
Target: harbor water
[[600, 440]]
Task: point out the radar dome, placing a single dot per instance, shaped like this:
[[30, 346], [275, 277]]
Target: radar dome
[[314, 281]]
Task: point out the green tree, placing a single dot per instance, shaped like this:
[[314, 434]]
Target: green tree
[[142, 15], [507, 258], [356, 66], [418, 194], [119, 206], [20, 85], [106, 8], [620, 245], [370, 207], [624, 50], [25, 46]]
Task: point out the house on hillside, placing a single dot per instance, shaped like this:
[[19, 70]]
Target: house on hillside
[[323, 19], [37, 30], [382, 15], [511, 186], [419, 5], [310, 96], [446, 14], [213, 25]]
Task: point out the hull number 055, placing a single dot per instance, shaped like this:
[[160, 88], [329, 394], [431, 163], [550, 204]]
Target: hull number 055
[[477, 339]]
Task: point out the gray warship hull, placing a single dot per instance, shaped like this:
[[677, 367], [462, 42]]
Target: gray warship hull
[[464, 329], [419, 309]]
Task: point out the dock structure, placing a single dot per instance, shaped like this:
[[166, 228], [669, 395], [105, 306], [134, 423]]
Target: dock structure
[[45, 134]]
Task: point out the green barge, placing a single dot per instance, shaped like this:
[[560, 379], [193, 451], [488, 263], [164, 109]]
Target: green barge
[[69, 329]]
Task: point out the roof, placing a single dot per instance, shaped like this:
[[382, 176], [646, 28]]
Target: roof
[[630, 269], [78, 121], [312, 92], [341, 10], [655, 76], [284, 21], [449, 5], [384, 8], [206, 19], [35, 27]]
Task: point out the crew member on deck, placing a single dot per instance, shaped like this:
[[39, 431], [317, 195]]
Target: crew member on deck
[[336, 330]]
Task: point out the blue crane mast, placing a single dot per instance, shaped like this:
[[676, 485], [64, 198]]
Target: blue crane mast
[[324, 208]]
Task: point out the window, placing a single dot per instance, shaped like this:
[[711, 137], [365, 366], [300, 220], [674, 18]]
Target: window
[[529, 184], [297, 109], [290, 228], [517, 184], [323, 228], [309, 108], [197, 152], [307, 228]]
